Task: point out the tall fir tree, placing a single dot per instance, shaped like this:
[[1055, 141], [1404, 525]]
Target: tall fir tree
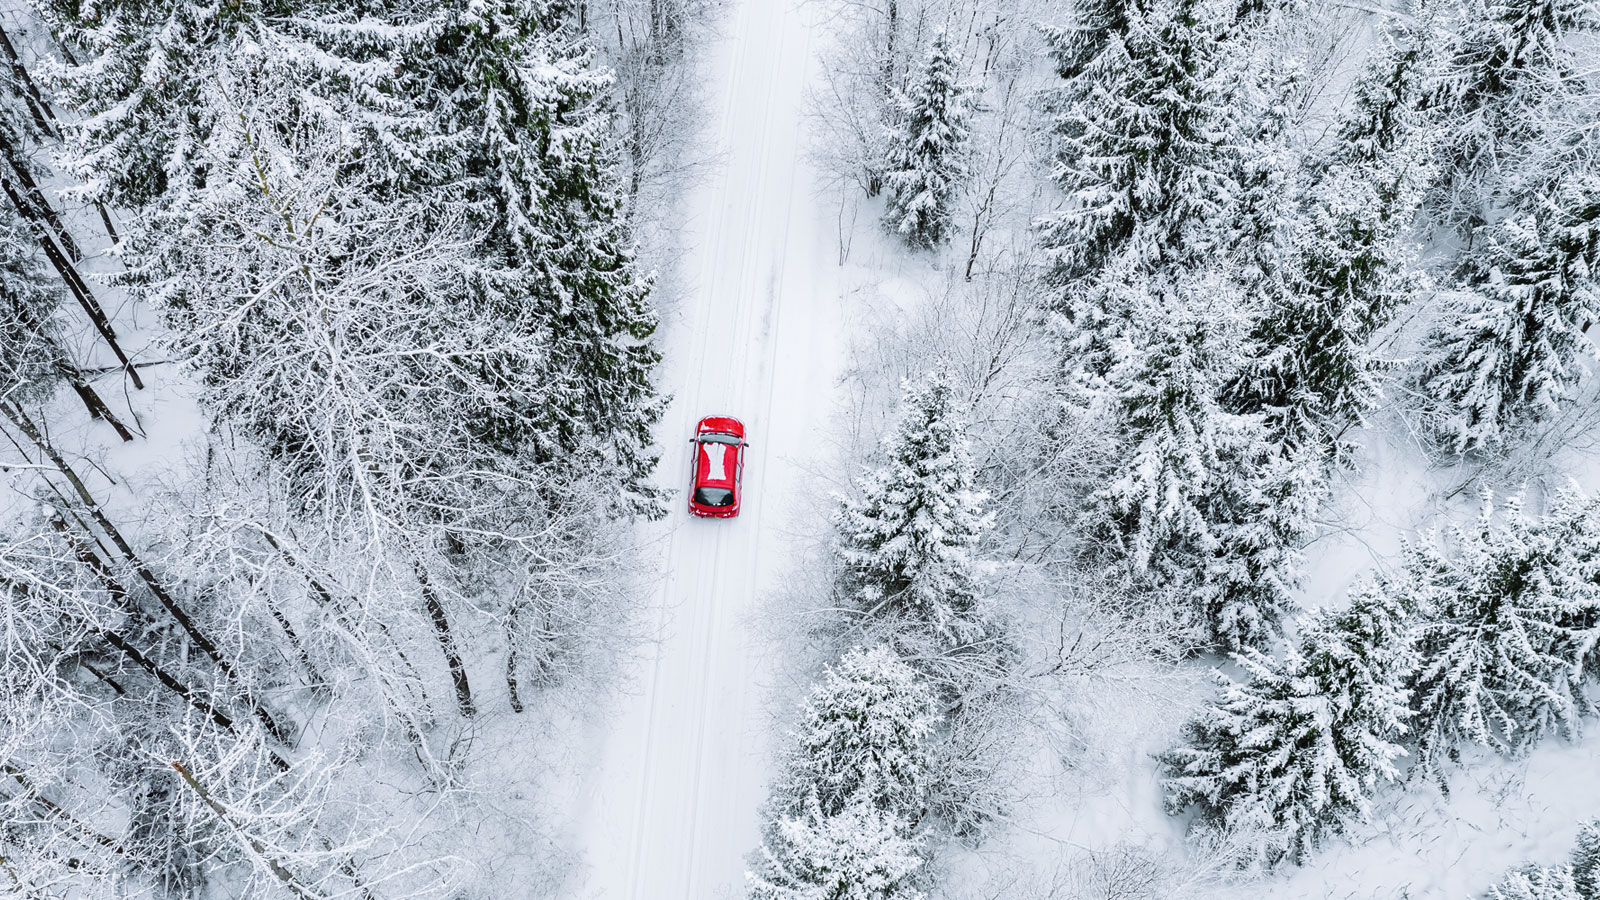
[[909, 535], [1507, 616], [927, 149], [859, 853], [863, 733], [1295, 753], [519, 130], [1200, 499]]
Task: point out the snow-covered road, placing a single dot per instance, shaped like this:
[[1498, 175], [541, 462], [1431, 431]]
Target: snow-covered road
[[672, 809]]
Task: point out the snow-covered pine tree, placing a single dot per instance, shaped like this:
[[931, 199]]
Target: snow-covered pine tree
[[1501, 61], [1510, 345], [1260, 518], [843, 820], [1311, 370], [1586, 861], [1093, 27], [1162, 393], [1145, 143], [1538, 883], [926, 160], [1294, 753], [1199, 498], [862, 735], [860, 853], [908, 537], [1504, 626]]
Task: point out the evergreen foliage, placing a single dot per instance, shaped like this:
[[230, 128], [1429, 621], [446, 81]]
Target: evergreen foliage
[[484, 121], [519, 135], [1311, 369], [1144, 152], [1586, 861], [1507, 618], [31, 358], [908, 537], [1511, 344], [860, 853], [862, 735], [1294, 753], [1538, 883], [926, 158], [1200, 497], [1501, 62], [843, 822]]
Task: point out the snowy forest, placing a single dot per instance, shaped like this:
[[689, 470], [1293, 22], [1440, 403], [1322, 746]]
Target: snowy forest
[[1173, 461]]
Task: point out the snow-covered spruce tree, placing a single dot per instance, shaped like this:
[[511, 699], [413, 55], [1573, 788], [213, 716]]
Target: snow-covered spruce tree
[[1586, 861], [860, 853], [909, 535], [1144, 143], [863, 733], [1507, 616], [1538, 883], [1200, 500], [843, 820], [517, 131], [1093, 26], [1501, 61], [1347, 267], [1511, 343], [927, 149], [1293, 754]]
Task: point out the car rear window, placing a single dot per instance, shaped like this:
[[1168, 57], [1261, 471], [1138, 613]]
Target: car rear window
[[712, 496]]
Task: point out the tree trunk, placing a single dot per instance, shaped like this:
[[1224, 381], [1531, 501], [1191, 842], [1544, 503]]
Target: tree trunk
[[318, 684], [38, 208], [97, 407], [512, 663], [122, 645], [257, 849], [447, 643], [43, 116], [178, 613], [80, 290]]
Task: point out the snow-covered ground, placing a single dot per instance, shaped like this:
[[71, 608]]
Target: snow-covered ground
[[671, 809]]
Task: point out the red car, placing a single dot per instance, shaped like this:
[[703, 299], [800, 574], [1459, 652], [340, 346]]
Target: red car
[[717, 466]]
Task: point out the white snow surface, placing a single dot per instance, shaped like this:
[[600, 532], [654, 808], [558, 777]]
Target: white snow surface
[[671, 809]]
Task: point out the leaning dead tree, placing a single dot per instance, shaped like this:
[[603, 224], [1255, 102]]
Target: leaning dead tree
[[39, 223], [81, 502]]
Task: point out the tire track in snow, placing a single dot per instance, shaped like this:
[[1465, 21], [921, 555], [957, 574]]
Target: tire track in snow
[[673, 808]]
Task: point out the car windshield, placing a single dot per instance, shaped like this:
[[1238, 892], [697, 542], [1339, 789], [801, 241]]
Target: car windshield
[[717, 437], [710, 496]]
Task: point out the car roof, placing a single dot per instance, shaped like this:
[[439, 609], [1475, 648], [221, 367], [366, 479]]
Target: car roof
[[715, 465]]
